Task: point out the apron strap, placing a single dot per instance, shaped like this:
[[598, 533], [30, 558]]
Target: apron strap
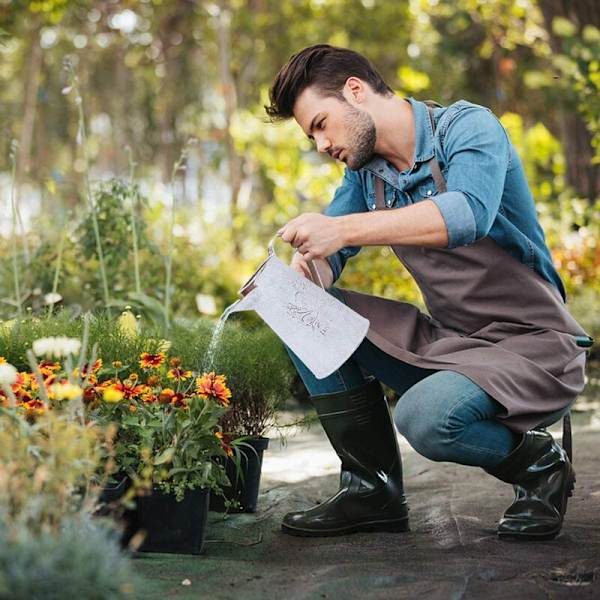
[[434, 167]]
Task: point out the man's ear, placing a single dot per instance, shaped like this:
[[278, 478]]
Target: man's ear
[[354, 90]]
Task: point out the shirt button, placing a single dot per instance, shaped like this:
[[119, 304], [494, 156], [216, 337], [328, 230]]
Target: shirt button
[[372, 207], [429, 192], [388, 203]]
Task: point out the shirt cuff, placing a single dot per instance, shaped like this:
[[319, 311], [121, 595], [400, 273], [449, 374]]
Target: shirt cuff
[[459, 218], [335, 262]]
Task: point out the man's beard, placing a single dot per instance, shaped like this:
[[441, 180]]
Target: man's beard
[[360, 128]]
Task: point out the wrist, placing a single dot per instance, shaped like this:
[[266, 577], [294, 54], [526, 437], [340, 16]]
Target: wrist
[[345, 231]]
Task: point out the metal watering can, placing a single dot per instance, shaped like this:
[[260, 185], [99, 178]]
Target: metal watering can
[[319, 329]]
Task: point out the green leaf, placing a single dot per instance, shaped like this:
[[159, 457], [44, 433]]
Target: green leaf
[[165, 456]]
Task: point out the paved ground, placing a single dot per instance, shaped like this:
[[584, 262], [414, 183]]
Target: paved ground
[[451, 552]]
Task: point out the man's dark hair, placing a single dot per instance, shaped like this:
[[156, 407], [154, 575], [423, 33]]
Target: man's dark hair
[[326, 68]]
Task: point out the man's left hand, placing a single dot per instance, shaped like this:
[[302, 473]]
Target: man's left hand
[[314, 235]]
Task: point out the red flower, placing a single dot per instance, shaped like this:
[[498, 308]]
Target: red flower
[[151, 361], [213, 386]]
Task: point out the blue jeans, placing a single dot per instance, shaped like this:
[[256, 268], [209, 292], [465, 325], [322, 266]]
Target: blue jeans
[[444, 415]]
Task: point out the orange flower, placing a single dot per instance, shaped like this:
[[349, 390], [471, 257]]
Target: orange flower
[[151, 361], [177, 373], [153, 380], [47, 367], [213, 386], [33, 407], [2, 360], [175, 362], [224, 443], [148, 398], [166, 395], [178, 400], [129, 389]]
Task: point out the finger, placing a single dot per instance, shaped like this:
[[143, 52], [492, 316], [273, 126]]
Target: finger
[[288, 234]]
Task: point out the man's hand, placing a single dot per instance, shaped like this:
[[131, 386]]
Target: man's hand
[[300, 264], [314, 235]]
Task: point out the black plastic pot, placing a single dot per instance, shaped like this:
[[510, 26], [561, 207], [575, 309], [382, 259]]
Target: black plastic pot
[[245, 483], [171, 526]]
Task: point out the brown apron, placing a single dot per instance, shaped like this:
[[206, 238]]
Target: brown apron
[[492, 319]]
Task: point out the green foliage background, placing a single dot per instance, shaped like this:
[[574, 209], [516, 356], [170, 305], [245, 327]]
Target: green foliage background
[[155, 74]]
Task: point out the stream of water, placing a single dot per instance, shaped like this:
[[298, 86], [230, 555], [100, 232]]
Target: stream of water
[[216, 336]]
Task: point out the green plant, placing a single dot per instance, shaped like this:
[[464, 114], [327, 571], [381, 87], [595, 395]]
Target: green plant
[[259, 373], [81, 559], [167, 423]]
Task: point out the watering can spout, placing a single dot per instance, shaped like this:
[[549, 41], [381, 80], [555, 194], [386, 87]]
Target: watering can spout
[[322, 331]]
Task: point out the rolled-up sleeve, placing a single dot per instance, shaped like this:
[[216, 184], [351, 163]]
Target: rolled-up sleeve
[[348, 198], [477, 150]]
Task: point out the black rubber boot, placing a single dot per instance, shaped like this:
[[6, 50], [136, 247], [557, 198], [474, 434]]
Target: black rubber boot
[[543, 479], [370, 497]]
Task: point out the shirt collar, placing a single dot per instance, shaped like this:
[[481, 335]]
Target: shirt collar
[[423, 139]]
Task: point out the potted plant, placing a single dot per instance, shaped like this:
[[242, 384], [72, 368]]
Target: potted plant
[[169, 441], [259, 374]]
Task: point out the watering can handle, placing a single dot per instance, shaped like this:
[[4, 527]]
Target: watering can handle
[[314, 272]]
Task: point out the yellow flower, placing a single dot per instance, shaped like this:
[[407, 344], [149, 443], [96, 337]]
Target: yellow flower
[[66, 391], [112, 395], [177, 373], [128, 324], [2, 360]]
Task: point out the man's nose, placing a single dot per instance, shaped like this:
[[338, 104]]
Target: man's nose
[[323, 144]]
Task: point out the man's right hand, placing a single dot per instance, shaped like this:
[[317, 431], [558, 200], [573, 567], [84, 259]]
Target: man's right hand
[[300, 265]]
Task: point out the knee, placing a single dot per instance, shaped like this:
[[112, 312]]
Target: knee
[[424, 426]]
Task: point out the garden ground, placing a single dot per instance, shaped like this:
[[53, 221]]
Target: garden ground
[[451, 552]]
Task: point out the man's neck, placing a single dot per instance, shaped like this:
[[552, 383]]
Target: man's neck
[[396, 134]]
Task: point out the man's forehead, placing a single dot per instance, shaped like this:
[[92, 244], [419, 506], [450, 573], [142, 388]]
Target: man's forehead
[[309, 104]]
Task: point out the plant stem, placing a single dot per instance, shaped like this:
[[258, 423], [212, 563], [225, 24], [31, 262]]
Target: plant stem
[[61, 245], [176, 167], [13, 201], [133, 205]]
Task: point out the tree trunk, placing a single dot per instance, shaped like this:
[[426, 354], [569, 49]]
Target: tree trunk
[[581, 174], [30, 104], [234, 161]]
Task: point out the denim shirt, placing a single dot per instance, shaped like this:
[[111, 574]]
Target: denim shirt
[[487, 191]]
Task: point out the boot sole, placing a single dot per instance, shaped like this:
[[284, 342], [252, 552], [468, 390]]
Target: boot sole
[[548, 535], [398, 526]]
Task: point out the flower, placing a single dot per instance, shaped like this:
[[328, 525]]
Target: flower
[[178, 399], [177, 373], [129, 389], [213, 386], [112, 395], [151, 361], [224, 443], [2, 360], [166, 395], [47, 367], [56, 346], [117, 364], [128, 324], [52, 298], [66, 391], [8, 374]]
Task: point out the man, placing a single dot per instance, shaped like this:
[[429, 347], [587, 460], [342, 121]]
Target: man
[[496, 356]]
